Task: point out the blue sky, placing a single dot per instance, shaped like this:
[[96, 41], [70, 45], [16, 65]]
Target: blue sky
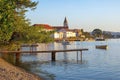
[[81, 14]]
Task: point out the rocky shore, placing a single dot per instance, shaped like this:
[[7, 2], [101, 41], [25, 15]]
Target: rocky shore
[[10, 72]]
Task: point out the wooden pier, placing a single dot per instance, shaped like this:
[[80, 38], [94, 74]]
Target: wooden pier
[[53, 52]]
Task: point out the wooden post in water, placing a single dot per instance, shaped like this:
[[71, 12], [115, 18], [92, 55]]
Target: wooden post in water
[[17, 55], [53, 56], [77, 56], [81, 55]]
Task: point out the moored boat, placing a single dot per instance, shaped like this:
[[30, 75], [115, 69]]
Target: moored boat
[[99, 39], [101, 46], [65, 43]]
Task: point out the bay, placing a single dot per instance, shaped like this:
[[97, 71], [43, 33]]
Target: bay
[[96, 64]]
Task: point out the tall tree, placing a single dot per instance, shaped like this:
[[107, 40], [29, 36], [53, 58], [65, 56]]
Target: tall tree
[[13, 24], [97, 32], [6, 20]]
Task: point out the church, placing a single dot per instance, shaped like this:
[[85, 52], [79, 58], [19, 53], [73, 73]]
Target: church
[[59, 30], [63, 31], [65, 25]]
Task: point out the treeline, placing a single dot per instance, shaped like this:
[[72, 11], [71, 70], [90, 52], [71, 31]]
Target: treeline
[[99, 33]]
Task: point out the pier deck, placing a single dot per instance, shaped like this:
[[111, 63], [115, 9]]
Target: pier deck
[[53, 52]]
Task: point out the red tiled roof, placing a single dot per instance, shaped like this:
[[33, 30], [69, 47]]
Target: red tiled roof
[[60, 27], [46, 26]]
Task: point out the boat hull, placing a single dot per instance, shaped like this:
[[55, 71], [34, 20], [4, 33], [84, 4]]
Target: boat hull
[[99, 39], [101, 46]]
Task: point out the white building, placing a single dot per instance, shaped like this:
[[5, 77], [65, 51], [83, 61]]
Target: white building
[[64, 34]]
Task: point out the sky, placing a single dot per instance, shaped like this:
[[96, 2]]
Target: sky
[[81, 14]]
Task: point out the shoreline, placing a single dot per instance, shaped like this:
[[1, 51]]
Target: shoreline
[[11, 72]]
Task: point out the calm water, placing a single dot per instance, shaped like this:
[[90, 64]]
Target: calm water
[[96, 64]]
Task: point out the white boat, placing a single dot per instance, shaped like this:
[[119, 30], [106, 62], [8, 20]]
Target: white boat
[[100, 38]]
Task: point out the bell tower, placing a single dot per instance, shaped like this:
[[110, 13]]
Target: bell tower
[[65, 24]]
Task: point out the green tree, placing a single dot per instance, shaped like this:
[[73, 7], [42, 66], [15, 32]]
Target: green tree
[[37, 34], [14, 27], [107, 34], [87, 34], [6, 20], [82, 30], [97, 32]]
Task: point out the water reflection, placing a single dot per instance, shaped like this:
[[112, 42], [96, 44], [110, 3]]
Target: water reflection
[[64, 56], [69, 66]]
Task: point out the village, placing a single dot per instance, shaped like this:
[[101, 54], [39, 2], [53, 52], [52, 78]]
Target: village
[[63, 32]]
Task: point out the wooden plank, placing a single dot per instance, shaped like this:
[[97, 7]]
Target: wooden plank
[[47, 51]]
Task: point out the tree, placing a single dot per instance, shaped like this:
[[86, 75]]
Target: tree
[[87, 34], [6, 20], [13, 24], [107, 34], [97, 32], [82, 30]]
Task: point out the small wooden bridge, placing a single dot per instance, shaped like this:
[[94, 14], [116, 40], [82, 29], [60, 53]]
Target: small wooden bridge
[[53, 52]]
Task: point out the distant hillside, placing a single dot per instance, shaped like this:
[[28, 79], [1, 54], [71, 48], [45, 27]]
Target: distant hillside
[[110, 34], [114, 34]]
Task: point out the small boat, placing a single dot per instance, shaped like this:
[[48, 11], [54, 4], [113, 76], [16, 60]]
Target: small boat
[[101, 46], [100, 39], [65, 43]]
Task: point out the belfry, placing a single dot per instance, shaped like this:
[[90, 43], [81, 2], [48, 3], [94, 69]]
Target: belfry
[[65, 24]]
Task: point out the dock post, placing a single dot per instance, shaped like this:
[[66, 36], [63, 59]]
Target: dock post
[[81, 55], [17, 55], [53, 56], [77, 56]]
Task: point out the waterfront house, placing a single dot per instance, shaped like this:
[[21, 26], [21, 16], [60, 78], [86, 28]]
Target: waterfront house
[[58, 35], [64, 34]]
